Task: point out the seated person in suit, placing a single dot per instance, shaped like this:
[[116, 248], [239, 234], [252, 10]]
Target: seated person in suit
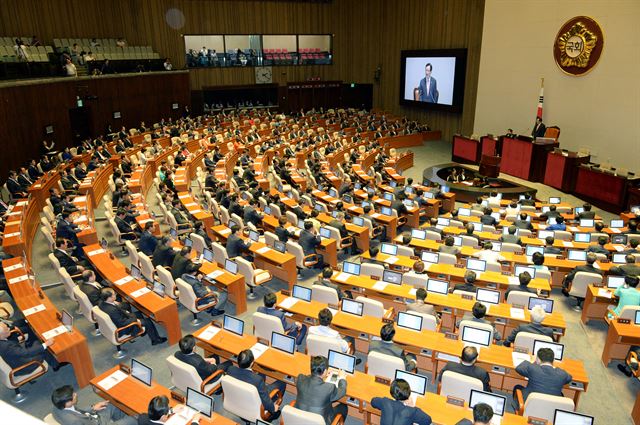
[[324, 279], [543, 376], [511, 236], [193, 277], [270, 394], [448, 247], [385, 345], [527, 200], [420, 306], [251, 215], [482, 415], [467, 367], [281, 231], [205, 366], [488, 254], [198, 229], [400, 410], [537, 317], [317, 396], [127, 231], [522, 222], [180, 262], [159, 412], [538, 261], [65, 228], [347, 343], [524, 278], [71, 264], [632, 247], [586, 213], [512, 208], [236, 246], [295, 329], [148, 242], [632, 228], [90, 287], [588, 267], [552, 213], [559, 225], [627, 294], [599, 248], [478, 206], [164, 254], [338, 223], [309, 241], [628, 269], [122, 317], [468, 285], [478, 312], [16, 354], [549, 248], [66, 412], [469, 229], [487, 218]]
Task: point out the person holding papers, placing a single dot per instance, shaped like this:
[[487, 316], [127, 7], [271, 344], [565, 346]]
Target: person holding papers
[[385, 345], [66, 412], [535, 327], [295, 329], [467, 367], [192, 276], [317, 396], [400, 410], [543, 376]]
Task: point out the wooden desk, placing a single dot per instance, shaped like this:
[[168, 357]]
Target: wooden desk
[[620, 338], [71, 347], [96, 184], [162, 310], [233, 284], [133, 397], [595, 306], [196, 211]]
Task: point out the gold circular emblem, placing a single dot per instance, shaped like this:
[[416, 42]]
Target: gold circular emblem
[[578, 45]]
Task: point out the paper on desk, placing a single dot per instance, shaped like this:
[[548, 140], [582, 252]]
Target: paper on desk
[[140, 292], [95, 252], [123, 280], [573, 229], [225, 231], [519, 358], [618, 247], [21, 203], [263, 250], [567, 244], [342, 277], [615, 230], [258, 350], [195, 211], [391, 260], [191, 204], [513, 280], [80, 199], [214, 274], [54, 332], [352, 208], [288, 302], [517, 313], [375, 215], [448, 357], [380, 285], [209, 333], [14, 267], [112, 380], [596, 265], [604, 293], [33, 310], [10, 235], [183, 196], [413, 291], [18, 279], [326, 197], [15, 213]]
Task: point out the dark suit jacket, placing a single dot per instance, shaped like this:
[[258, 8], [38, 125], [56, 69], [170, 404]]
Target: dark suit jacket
[[236, 246], [519, 288], [432, 97], [523, 224], [66, 262], [119, 316], [163, 255], [340, 226], [147, 243], [626, 270], [534, 328], [279, 314], [92, 293], [308, 241], [473, 371], [538, 131], [283, 234], [15, 354], [511, 239], [198, 288], [465, 287], [454, 250], [399, 206], [582, 268], [14, 187], [543, 379], [204, 368], [255, 379], [67, 231], [487, 219], [552, 250], [250, 215], [179, 266], [586, 215], [394, 412], [316, 396]]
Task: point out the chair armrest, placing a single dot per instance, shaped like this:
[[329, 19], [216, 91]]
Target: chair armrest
[[263, 413], [210, 379], [338, 420], [129, 337], [18, 332], [310, 259], [348, 241], [204, 297], [377, 230], [520, 401], [5, 313], [389, 313], [42, 371]]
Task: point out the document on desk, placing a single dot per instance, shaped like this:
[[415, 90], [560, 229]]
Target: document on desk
[[513, 280], [214, 274], [96, 252], [258, 349], [209, 333], [375, 215], [413, 291], [54, 332], [380, 285], [140, 292], [615, 230], [519, 358], [516, 313], [601, 293], [263, 250], [195, 211], [123, 280], [112, 380], [14, 267], [186, 195], [80, 199], [573, 229], [288, 302], [342, 277], [191, 204], [18, 279], [225, 231], [11, 235], [33, 310], [618, 247], [567, 244], [391, 260], [353, 208], [448, 357], [21, 203]]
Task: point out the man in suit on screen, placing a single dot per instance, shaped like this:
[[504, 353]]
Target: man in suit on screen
[[428, 88]]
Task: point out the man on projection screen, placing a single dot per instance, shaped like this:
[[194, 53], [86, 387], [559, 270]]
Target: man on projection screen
[[428, 89]]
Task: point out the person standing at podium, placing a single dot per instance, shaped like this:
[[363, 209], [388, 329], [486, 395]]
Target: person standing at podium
[[539, 128]]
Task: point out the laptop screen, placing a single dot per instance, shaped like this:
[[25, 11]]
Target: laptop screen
[[522, 269], [564, 417], [496, 246], [267, 210], [545, 303], [418, 234], [325, 233], [207, 254], [488, 296], [231, 324], [543, 234], [135, 272], [188, 242], [301, 293], [347, 199], [558, 349], [417, 383], [67, 319], [231, 223], [103, 243], [554, 201], [637, 318], [280, 246], [352, 307], [333, 192], [464, 212], [283, 342], [582, 237], [199, 402], [476, 336], [576, 255], [533, 249], [318, 207], [614, 282], [430, 257], [389, 249], [497, 402], [342, 361], [141, 372], [393, 183], [438, 286], [392, 277], [616, 224], [358, 221], [477, 265], [587, 222], [388, 196], [457, 241], [254, 236], [386, 211], [173, 233], [477, 227], [231, 266], [427, 195], [619, 239], [410, 321], [351, 268], [158, 288], [619, 258]]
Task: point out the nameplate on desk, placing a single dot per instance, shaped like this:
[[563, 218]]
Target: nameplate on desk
[[507, 274], [286, 293], [123, 280], [214, 274], [455, 401], [467, 297], [178, 397], [523, 350], [382, 380], [459, 266], [18, 279], [536, 421], [623, 321], [33, 310], [11, 235], [387, 320], [209, 333], [263, 250], [96, 252], [450, 335], [191, 204], [140, 292], [375, 277], [414, 257], [14, 267], [112, 380], [54, 332]]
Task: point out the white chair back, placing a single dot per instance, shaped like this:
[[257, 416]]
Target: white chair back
[[519, 297], [219, 253], [293, 416], [544, 406], [85, 304], [320, 345], [105, 324], [581, 281], [198, 243], [164, 276], [264, 325], [134, 259], [383, 365], [526, 340], [458, 385], [270, 238], [183, 375], [414, 279], [444, 258], [371, 307], [369, 269], [186, 295], [324, 294], [241, 399], [476, 325], [146, 266]]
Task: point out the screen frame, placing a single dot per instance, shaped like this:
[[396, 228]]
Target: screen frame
[[286, 336], [404, 313], [353, 360], [234, 318], [145, 366], [555, 415], [504, 406], [191, 390]]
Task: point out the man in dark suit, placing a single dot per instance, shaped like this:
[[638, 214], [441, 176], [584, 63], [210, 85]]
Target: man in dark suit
[[467, 366], [309, 241], [628, 269], [524, 278], [448, 247], [386, 346], [586, 213], [205, 367], [159, 412], [126, 230], [295, 329], [537, 316], [67, 262], [250, 215], [281, 231], [317, 396], [236, 246], [15, 188], [66, 229], [121, 317], [24, 179], [482, 415], [523, 223], [398, 205], [193, 277], [16, 354], [598, 248], [164, 254], [90, 287], [199, 230], [338, 223], [148, 242], [543, 376], [552, 213], [588, 267], [67, 412], [33, 171], [399, 410], [511, 236], [468, 285], [487, 218], [270, 394], [180, 262], [549, 248], [428, 88], [527, 201], [539, 128]]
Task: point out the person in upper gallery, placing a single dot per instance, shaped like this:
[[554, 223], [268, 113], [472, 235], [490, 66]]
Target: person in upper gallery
[[467, 367], [317, 396], [587, 267], [401, 409], [293, 329], [630, 268], [586, 213], [538, 129], [66, 411], [428, 88], [121, 317], [536, 327], [510, 134], [543, 376]]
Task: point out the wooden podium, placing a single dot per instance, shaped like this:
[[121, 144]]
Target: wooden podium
[[562, 169], [490, 166]]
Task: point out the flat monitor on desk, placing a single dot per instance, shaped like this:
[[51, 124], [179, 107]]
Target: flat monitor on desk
[[558, 349], [188, 242], [457, 241], [325, 233], [254, 236], [386, 211], [616, 224], [619, 239], [141, 372], [565, 417], [342, 361], [496, 401], [267, 210], [283, 342], [333, 193], [533, 249], [135, 272], [388, 196], [554, 201], [587, 222], [207, 254], [199, 402], [389, 249], [619, 258], [233, 325], [464, 212], [477, 227], [66, 319], [576, 255], [418, 234], [427, 195], [614, 282], [352, 307], [476, 265], [301, 292], [476, 336], [543, 234], [231, 266], [430, 257], [417, 383], [443, 221], [351, 268], [545, 303], [487, 296], [158, 288], [582, 237], [438, 286], [390, 276], [410, 321], [358, 221], [522, 269], [280, 246]]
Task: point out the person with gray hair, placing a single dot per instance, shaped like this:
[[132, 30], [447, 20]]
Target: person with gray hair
[[535, 327]]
